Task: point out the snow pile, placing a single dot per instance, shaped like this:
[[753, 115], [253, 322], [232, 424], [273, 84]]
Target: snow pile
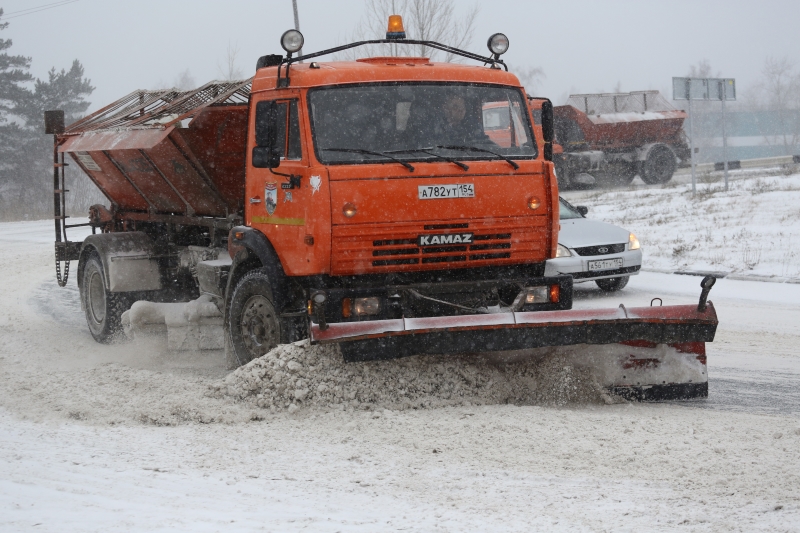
[[301, 375]]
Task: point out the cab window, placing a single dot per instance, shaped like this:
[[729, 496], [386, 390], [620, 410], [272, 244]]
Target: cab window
[[288, 146]]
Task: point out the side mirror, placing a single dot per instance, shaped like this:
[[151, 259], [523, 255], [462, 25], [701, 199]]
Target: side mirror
[[582, 209], [265, 153], [265, 157], [548, 129]]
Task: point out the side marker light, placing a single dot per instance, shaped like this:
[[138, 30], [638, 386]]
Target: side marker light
[[349, 210]]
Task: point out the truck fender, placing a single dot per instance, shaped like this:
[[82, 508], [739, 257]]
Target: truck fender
[[643, 151], [253, 250], [128, 260]]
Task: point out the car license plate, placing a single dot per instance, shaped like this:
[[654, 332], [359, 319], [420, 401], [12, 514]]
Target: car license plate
[[605, 264], [435, 192]]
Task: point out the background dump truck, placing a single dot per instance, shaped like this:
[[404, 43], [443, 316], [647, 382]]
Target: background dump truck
[[608, 139], [360, 203]]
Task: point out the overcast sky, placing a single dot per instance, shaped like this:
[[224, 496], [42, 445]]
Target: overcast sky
[[582, 45]]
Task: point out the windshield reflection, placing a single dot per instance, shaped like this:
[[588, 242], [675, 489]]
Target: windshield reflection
[[419, 122]]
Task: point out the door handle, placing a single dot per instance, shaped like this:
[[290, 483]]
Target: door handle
[[255, 200]]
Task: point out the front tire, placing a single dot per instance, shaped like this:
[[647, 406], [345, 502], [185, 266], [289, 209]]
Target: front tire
[[253, 323], [612, 284], [103, 309]]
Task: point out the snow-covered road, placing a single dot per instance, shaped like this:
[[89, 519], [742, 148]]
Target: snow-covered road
[[111, 438]]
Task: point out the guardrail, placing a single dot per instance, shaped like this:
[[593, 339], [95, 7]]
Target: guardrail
[[744, 163]]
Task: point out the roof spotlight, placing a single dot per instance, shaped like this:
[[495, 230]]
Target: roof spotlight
[[498, 44], [292, 41]]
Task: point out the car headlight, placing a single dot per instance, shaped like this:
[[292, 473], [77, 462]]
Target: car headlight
[[633, 242], [562, 250]]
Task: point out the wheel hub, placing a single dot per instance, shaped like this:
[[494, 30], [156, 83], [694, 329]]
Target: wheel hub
[[259, 326]]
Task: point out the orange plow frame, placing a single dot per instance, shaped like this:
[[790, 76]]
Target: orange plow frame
[[645, 353]]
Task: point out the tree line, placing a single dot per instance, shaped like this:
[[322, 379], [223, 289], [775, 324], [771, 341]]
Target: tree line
[[26, 172]]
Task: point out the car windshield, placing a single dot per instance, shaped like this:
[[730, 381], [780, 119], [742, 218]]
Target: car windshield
[[419, 122], [566, 210]]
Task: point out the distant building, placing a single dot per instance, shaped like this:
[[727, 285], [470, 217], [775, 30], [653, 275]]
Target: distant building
[[751, 134]]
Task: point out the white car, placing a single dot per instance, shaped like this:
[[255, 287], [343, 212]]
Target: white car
[[591, 250]]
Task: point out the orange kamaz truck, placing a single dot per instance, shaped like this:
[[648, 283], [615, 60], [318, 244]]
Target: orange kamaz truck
[[364, 203]]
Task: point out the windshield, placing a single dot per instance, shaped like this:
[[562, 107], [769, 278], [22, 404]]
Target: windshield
[[566, 211], [419, 122]]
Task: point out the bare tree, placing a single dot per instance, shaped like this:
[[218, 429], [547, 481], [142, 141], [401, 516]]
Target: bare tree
[[229, 70], [779, 93], [701, 70], [185, 81], [531, 78], [424, 20]]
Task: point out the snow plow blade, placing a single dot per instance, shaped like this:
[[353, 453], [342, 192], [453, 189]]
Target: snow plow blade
[[643, 353]]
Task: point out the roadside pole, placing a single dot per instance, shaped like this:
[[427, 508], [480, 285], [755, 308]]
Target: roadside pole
[[297, 26], [691, 143], [724, 136]]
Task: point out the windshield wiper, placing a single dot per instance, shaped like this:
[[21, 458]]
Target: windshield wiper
[[369, 152], [427, 151], [476, 149]]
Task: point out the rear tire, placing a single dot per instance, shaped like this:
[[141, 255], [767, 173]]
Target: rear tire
[[659, 166], [617, 175], [612, 284], [103, 309], [253, 323]]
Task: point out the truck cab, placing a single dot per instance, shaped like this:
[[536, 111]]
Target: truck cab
[[383, 189]]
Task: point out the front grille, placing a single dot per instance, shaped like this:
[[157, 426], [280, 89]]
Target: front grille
[[603, 249], [440, 254], [394, 247]]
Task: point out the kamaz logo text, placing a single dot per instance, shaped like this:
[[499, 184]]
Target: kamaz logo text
[[451, 238]]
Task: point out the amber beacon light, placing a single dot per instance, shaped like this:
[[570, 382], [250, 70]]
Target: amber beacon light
[[395, 30]]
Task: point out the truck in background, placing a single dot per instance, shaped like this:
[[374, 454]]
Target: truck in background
[[608, 139]]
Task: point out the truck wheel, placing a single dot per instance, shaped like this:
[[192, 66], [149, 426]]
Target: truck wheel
[[612, 284], [253, 323], [659, 166], [618, 174], [562, 176], [103, 308]]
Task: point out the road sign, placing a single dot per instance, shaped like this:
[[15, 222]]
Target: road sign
[[704, 89], [718, 89]]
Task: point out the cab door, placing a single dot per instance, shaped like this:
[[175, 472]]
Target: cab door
[[278, 200]]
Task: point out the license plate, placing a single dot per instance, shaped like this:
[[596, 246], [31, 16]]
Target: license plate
[[605, 264], [436, 192]]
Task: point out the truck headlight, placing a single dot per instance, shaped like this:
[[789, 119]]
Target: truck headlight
[[360, 306], [633, 242], [562, 250], [537, 295], [366, 306]]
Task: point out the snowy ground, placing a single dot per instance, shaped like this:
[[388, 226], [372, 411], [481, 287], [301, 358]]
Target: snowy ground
[[127, 437], [752, 229]]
